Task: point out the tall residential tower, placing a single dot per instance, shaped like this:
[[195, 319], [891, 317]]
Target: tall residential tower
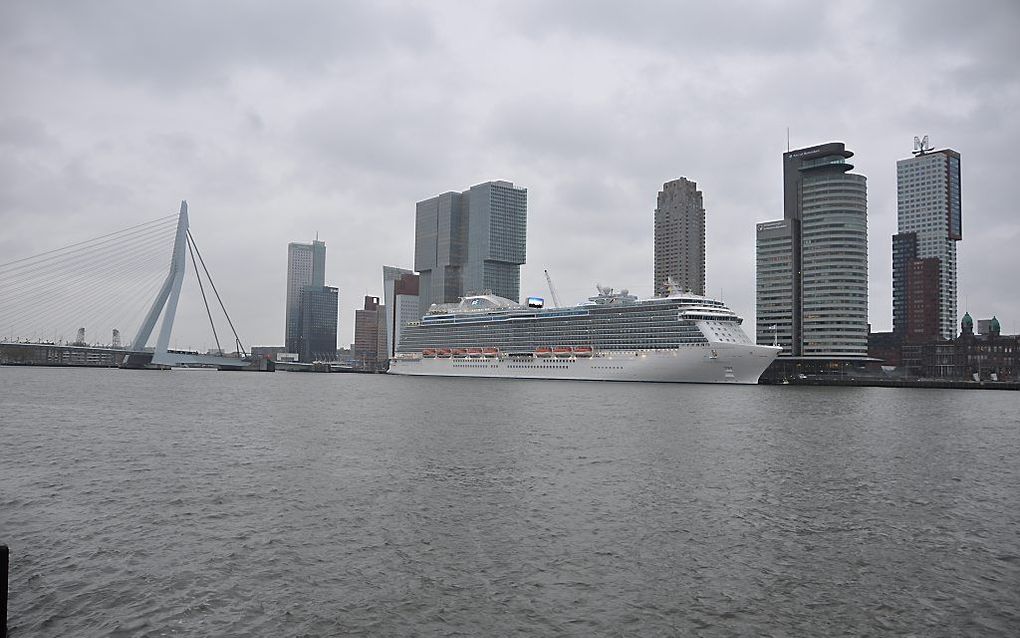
[[680, 237], [470, 242], [306, 266], [930, 222], [311, 314], [812, 266]]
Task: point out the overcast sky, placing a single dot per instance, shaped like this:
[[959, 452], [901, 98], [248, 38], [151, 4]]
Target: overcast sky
[[277, 121]]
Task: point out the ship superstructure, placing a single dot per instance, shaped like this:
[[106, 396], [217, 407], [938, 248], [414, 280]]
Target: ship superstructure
[[613, 336]]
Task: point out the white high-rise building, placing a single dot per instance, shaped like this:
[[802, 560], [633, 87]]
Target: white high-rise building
[[812, 266], [928, 205]]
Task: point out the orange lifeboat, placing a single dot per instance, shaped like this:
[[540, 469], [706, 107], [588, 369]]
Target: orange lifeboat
[[458, 352], [474, 352], [582, 351], [543, 352], [443, 352], [562, 351], [490, 352], [428, 353]]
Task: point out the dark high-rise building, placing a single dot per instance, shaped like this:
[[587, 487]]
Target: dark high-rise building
[[470, 242], [904, 249], [922, 300], [310, 331], [306, 266], [679, 237], [319, 310], [370, 335], [812, 266], [440, 244]]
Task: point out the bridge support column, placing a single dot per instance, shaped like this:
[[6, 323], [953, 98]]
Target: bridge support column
[[166, 301]]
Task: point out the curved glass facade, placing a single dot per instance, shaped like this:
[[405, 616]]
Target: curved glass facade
[[812, 266], [834, 264]]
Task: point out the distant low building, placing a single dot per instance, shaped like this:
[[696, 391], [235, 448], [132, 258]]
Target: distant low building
[[267, 352], [986, 357], [50, 354], [886, 346]]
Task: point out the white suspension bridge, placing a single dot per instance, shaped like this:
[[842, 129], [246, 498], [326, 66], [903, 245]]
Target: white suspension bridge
[[107, 283]]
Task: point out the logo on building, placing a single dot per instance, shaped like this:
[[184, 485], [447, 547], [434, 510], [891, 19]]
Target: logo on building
[[921, 145]]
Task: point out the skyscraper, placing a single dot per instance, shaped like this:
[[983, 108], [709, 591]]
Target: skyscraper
[[306, 266], [928, 209], [391, 275], [440, 243], [680, 237], [777, 270], [470, 242], [400, 294], [319, 309], [370, 335], [812, 266], [915, 292], [312, 307], [405, 308]]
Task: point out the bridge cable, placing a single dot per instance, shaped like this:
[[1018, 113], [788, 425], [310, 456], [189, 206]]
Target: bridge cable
[[42, 296], [201, 288], [89, 283], [154, 222], [237, 340]]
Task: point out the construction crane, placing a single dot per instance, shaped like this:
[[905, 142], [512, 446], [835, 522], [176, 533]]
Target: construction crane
[[552, 291]]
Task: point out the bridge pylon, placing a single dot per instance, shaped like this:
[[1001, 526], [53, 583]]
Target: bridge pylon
[[165, 304]]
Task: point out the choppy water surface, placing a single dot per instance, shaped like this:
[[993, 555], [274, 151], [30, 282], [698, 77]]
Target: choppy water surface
[[202, 503]]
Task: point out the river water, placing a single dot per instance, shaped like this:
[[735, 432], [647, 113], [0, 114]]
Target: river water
[[197, 503]]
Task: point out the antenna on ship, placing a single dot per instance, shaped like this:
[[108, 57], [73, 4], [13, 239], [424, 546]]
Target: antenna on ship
[[552, 290]]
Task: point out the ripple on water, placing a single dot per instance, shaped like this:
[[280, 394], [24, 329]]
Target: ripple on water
[[294, 505]]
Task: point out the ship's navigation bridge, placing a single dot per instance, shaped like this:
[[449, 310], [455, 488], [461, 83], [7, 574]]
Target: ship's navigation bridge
[[109, 286]]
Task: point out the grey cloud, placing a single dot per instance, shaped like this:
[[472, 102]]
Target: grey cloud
[[24, 134], [683, 27], [539, 128], [279, 121], [194, 43]]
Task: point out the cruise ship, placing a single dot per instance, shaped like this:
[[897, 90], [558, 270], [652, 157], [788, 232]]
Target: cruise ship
[[614, 336]]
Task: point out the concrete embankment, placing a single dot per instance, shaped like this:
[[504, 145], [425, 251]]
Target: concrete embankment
[[954, 384]]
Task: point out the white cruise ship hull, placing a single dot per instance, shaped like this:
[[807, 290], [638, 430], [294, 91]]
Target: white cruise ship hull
[[704, 363]]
